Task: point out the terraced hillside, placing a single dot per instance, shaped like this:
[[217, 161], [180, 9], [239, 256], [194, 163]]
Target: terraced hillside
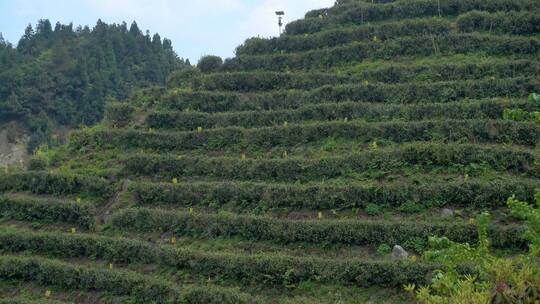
[[287, 174]]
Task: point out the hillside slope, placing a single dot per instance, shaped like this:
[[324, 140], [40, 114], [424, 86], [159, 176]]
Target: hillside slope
[[62, 77], [286, 174]]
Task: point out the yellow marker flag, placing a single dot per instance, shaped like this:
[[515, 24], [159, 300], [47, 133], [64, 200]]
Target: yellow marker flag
[[243, 156], [199, 129], [175, 180], [320, 215], [190, 210], [173, 240], [47, 293], [78, 199], [285, 154], [111, 266], [73, 230]]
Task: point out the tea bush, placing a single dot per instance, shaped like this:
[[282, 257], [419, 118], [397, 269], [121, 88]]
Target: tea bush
[[407, 46], [51, 211], [261, 268], [403, 93], [502, 131], [189, 121], [424, 155], [360, 13], [351, 232], [209, 63]]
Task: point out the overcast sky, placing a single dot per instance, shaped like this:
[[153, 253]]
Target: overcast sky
[[196, 27]]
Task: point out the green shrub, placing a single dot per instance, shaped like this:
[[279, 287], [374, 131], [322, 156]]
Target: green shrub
[[418, 46], [371, 112], [362, 12], [534, 98], [387, 73], [118, 282], [423, 155], [531, 216], [68, 277], [374, 209], [501, 131], [119, 114], [334, 37], [513, 279], [473, 193], [142, 289], [411, 207], [404, 93], [349, 232], [50, 211], [417, 244], [37, 163], [55, 184], [517, 23], [521, 115], [209, 63], [520, 23], [183, 78], [383, 250], [272, 268]]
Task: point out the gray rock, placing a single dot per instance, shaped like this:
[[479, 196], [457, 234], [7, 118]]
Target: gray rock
[[398, 253], [12, 150], [447, 212]]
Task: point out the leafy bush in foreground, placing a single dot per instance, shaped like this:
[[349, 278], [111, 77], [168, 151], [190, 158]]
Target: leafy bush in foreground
[[497, 280]]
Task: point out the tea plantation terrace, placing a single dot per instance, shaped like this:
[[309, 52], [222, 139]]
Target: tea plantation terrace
[[288, 173]]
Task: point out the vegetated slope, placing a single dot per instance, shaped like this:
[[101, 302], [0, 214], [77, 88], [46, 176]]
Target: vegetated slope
[[62, 76], [286, 174]]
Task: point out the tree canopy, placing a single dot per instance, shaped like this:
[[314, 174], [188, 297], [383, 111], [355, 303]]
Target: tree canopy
[[63, 76]]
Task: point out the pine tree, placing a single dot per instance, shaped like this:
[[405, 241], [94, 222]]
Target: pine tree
[[134, 29], [44, 28], [156, 41], [26, 41], [167, 44]]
